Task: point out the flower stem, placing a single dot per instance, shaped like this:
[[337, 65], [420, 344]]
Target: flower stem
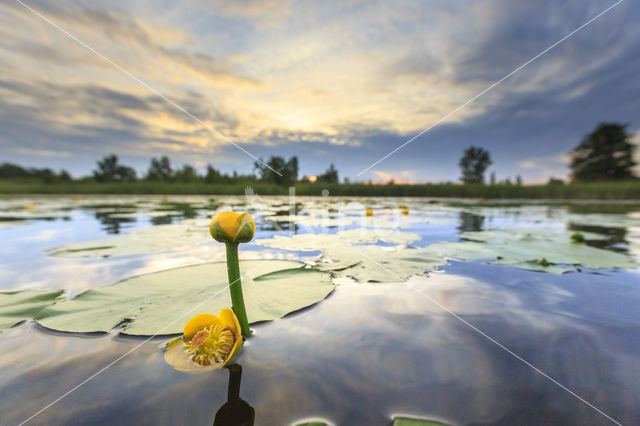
[[235, 288]]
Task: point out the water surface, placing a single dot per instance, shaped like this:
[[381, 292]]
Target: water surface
[[365, 354]]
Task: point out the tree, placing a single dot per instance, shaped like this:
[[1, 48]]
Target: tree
[[604, 154], [492, 179], [109, 170], [213, 175], [330, 176], [278, 171], [186, 174], [160, 170], [473, 164], [519, 180]]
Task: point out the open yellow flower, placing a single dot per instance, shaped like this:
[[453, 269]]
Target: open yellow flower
[[231, 227], [213, 340]]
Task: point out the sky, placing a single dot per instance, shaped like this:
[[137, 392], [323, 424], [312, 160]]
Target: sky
[[343, 82]]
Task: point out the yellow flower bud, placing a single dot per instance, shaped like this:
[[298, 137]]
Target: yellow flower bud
[[231, 227], [368, 212], [405, 212]]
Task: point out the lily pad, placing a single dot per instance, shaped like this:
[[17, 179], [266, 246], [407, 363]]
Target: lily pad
[[402, 421], [313, 242], [17, 306], [379, 264], [541, 250], [157, 238], [161, 303]]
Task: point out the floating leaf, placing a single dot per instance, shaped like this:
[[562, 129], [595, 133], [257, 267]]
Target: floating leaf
[[379, 264], [17, 306], [402, 421], [157, 238], [162, 302], [540, 250], [313, 242]]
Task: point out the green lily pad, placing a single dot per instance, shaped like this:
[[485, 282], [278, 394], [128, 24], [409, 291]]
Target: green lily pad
[[313, 242], [379, 264], [17, 306], [540, 250], [157, 238], [402, 421], [161, 303]]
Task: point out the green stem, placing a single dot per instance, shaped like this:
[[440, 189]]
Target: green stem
[[235, 287]]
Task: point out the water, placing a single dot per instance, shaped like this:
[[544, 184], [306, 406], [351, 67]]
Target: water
[[367, 353]]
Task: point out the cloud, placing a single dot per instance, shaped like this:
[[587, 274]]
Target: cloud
[[401, 177], [528, 164], [347, 81], [42, 152]]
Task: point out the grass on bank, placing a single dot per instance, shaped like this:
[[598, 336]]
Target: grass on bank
[[596, 190]]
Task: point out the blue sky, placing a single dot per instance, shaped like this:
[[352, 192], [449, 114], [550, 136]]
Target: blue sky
[[342, 82]]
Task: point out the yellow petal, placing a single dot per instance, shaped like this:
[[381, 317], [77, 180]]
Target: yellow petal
[[228, 222], [246, 228], [229, 320], [234, 351], [197, 323]]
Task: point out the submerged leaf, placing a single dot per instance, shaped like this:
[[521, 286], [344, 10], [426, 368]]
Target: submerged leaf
[[162, 302], [17, 306]]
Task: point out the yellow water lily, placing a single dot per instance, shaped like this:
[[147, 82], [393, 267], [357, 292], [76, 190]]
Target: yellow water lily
[[213, 340], [232, 227], [405, 212], [368, 212]]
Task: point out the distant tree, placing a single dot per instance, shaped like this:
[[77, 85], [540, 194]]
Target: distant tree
[[492, 179], [555, 181], [212, 175], [278, 171], [186, 174], [519, 180], [473, 164], [109, 170], [11, 171], [64, 176], [160, 170], [329, 176], [604, 154]]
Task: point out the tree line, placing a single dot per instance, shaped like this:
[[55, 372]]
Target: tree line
[[605, 154], [275, 170]]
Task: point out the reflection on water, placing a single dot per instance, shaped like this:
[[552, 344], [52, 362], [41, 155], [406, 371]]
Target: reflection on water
[[236, 411], [110, 223], [362, 356], [365, 354], [615, 236], [470, 222]]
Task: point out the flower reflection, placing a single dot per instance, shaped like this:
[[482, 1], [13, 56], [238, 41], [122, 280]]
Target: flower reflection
[[236, 411]]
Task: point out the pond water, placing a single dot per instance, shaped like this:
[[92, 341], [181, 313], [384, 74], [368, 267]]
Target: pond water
[[467, 312]]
